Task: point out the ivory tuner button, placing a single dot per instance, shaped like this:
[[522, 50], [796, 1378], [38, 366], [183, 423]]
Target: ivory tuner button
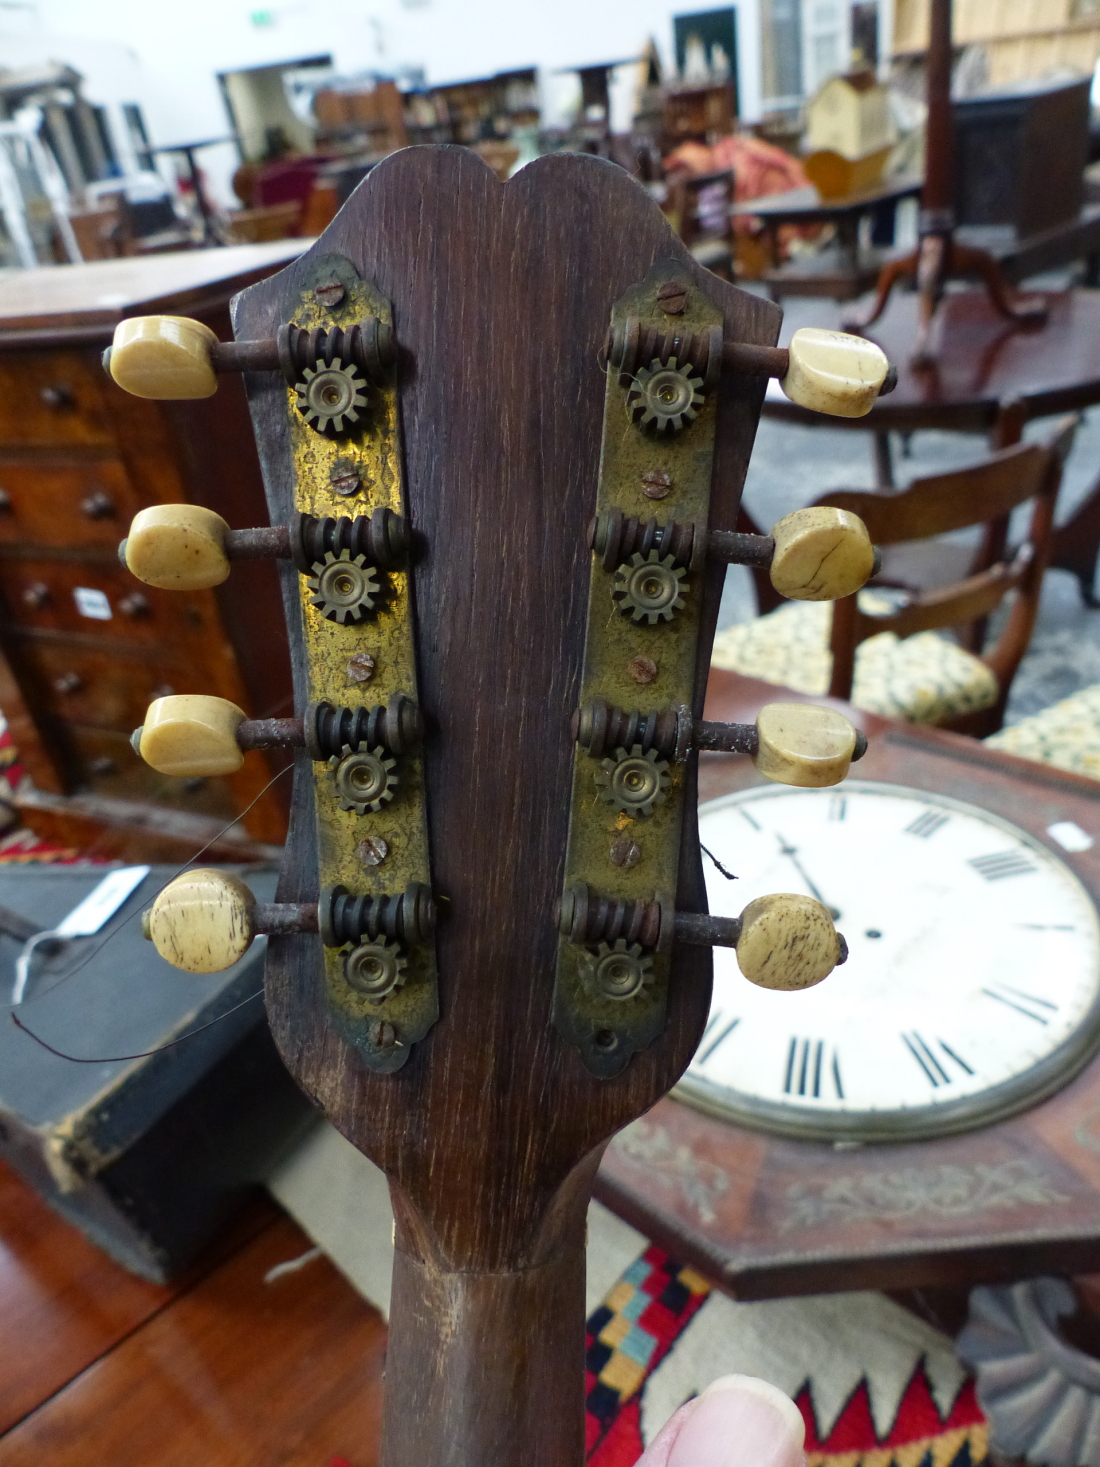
[[191, 734], [834, 373], [177, 547], [787, 941], [202, 922], [163, 357], [803, 744], [821, 554]]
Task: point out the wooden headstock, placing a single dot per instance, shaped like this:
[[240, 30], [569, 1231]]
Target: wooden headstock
[[511, 408]]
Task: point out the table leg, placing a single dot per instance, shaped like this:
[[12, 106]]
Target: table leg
[[884, 462], [1075, 546], [1007, 430]]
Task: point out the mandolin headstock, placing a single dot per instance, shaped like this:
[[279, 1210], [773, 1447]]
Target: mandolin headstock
[[503, 429]]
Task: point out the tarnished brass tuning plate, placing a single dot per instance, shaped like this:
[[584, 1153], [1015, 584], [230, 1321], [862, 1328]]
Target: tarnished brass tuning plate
[[643, 628], [358, 659]]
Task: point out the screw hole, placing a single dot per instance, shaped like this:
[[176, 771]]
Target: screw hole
[[605, 1039]]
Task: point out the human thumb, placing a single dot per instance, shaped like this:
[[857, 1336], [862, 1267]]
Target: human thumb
[[738, 1421]]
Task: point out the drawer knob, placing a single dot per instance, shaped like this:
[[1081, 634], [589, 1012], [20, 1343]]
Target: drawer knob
[[68, 682], [98, 506], [177, 547], [135, 605], [5, 502], [163, 357], [57, 396], [37, 594], [103, 764]]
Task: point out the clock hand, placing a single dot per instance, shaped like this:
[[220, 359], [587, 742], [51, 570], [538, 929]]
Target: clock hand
[[792, 853]]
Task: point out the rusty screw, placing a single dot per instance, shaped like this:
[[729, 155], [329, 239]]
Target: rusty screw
[[625, 852], [642, 669], [345, 480], [329, 293], [655, 484], [672, 297], [360, 668], [382, 1035], [372, 851]]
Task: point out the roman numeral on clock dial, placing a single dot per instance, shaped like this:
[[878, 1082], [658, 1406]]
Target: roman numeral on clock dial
[[940, 1063], [999, 864], [810, 1067]]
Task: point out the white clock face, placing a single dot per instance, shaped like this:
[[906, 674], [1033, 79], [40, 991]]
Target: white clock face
[[972, 986]]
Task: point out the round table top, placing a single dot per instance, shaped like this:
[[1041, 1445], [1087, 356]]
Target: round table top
[[982, 362]]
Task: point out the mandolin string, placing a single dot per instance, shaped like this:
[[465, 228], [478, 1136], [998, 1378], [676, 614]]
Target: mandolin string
[[727, 874], [110, 1059]]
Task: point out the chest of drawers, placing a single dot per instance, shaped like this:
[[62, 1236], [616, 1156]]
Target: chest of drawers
[[85, 646]]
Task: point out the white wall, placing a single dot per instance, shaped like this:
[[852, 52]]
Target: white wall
[[165, 53]]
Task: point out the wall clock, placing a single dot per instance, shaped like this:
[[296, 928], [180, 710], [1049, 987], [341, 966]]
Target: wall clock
[[971, 991]]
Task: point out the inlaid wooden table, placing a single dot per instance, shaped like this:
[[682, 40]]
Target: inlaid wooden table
[[766, 1216], [990, 376]]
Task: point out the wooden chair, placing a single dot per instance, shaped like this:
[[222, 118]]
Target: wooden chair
[[695, 202], [880, 649]]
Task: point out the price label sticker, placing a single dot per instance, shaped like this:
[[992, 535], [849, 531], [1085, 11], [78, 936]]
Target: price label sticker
[[93, 603], [1070, 836], [102, 902]]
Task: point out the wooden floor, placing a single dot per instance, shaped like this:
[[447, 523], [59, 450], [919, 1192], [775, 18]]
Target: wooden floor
[[228, 1367]]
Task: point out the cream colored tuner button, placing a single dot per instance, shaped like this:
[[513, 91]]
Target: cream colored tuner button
[[788, 941], [202, 922], [163, 357], [832, 372], [803, 744], [821, 554], [178, 547], [191, 734]]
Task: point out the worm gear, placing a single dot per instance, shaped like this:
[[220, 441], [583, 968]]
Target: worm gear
[[664, 399], [344, 587], [634, 783], [330, 397], [376, 968], [620, 971], [363, 778], [649, 588]]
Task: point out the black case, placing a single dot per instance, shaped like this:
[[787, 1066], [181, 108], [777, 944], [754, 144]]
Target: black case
[[147, 1156]]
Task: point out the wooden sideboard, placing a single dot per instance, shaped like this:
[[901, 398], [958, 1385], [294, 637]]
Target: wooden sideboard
[[85, 646]]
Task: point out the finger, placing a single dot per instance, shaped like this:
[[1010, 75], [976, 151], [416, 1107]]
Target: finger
[[737, 1422]]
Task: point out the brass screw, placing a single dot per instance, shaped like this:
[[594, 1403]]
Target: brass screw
[[360, 668], [329, 293], [642, 669], [372, 851], [672, 297], [345, 481], [625, 852], [655, 484]]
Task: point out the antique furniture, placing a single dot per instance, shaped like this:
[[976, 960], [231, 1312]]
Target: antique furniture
[[700, 208], [483, 902], [149, 1154], [908, 671], [83, 647], [997, 1184], [841, 272]]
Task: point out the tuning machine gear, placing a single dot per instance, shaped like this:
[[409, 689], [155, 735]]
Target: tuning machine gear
[[375, 969], [649, 587], [330, 395], [620, 970], [634, 782], [664, 397], [344, 587], [363, 778]]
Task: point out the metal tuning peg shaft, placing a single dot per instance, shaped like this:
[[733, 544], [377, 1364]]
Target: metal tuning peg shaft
[[184, 547], [817, 554], [173, 357], [825, 371], [784, 941], [193, 734], [798, 744], [206, 920]]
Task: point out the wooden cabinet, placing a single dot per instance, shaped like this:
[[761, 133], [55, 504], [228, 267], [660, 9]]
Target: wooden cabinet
[[85, 645]]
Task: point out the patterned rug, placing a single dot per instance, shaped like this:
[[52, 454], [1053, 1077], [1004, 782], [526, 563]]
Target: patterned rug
[[877, 1387]]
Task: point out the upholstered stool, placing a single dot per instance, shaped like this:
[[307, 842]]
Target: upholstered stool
[[923, 678]]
